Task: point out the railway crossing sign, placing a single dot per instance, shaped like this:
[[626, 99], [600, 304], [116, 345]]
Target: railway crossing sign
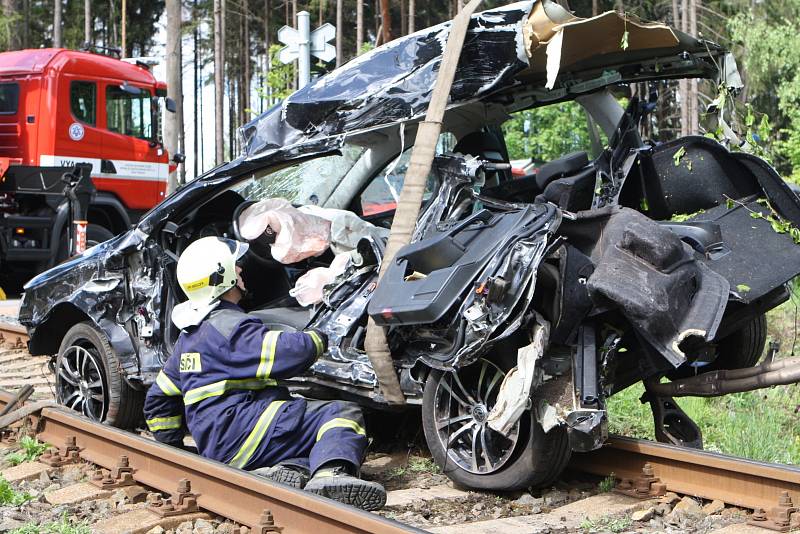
[[301, 44]]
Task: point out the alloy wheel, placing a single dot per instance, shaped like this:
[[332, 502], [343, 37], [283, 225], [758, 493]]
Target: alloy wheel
[[80, 382], [462, 403]]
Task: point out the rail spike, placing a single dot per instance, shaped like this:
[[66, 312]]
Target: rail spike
[[119, 476], [645, 486], [266, 524], [68, 454], [183, 501], [781, 518]]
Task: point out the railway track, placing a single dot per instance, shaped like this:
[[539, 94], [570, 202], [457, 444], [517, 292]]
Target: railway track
[[246, 499]]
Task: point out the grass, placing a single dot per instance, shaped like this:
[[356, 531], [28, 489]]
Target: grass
[[759, 425], [64, 526], [416, 465], [607, 484], [30, 450], [606, 524], [8, 495]]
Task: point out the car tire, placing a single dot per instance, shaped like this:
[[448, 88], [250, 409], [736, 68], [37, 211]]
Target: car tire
[[537, 458], [89, 379], [738, 350]]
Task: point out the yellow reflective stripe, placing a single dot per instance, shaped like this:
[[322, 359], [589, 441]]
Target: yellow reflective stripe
[[164, 423], [252, 442], [166, 385], [341, 422], [218, 388], [268, 347], [317, 342]]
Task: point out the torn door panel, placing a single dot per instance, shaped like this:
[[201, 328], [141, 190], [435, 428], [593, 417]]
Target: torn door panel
[[646, 271]]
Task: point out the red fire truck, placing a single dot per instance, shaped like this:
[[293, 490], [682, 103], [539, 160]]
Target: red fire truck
[[60, 108]]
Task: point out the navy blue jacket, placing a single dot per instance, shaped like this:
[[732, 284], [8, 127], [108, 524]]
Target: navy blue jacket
[[222, 377]]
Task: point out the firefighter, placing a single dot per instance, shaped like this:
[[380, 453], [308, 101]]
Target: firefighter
[[220, 383]]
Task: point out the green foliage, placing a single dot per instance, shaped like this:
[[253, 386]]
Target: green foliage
[[771, 46], [8, 495], [64, 526], [281, 76], [606, 524], [30, 450], [727, 422], [607, 484], [553, 131], [365, 47]]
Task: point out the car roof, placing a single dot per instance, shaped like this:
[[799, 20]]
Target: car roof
[[534, 52]]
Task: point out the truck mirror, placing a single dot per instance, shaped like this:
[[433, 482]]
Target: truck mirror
[[130, 89], [172, 107], [178, 158]]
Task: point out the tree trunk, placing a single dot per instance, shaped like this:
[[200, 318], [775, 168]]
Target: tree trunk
[[411, 14], [219, 78], [245, 96], [196, 92], [359, 26], [265, 76], [684, 84], [57, 24], [694, 123], [595, 8], [405, 218], [10, 11], [403, 18], [124, 29], [339, 31], [87, 21], [174, 121], [386, 21]]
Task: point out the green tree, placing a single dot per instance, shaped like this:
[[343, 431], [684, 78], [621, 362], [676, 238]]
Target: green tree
[[769, 47], [552, 131]]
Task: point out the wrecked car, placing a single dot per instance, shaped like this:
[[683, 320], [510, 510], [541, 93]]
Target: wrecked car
[[522, 304]]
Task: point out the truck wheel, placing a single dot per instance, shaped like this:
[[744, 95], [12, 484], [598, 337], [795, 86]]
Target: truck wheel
[[89, 380], [454, 410], [96, 234]]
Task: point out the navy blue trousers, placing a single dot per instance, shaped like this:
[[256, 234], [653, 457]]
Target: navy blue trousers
[[324, 431]]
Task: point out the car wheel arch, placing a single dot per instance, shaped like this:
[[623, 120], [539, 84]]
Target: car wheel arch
[[47, 337]]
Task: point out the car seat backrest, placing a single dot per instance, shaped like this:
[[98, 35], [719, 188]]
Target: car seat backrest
[[558, 168]]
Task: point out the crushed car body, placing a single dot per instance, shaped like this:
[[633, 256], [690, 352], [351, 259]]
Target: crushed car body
[[522, 304]]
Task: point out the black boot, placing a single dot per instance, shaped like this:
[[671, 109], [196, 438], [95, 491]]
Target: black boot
[[288, 474], [336, 480]]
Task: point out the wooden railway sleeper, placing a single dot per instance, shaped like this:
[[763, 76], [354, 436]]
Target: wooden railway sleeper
[[781, 518]]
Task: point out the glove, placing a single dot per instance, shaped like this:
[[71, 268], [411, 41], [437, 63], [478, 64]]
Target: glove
[[323, 336]]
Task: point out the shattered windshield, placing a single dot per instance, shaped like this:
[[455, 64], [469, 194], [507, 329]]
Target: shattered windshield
[[309, 182]]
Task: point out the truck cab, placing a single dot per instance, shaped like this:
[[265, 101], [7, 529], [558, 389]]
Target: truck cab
[[59, 108]]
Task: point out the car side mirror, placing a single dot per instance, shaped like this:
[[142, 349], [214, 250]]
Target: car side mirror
[[172, 107], [178, 158]]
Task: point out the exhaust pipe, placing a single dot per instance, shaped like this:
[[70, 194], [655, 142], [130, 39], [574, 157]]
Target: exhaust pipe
[[723, 382]]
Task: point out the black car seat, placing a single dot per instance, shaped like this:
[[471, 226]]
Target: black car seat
[[567, 182]]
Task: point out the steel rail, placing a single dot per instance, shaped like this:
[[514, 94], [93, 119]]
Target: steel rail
[[13, 331], [710, 475], [223, 490]]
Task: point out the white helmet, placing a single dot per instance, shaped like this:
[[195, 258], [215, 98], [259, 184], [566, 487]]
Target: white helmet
[[207, 268]]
